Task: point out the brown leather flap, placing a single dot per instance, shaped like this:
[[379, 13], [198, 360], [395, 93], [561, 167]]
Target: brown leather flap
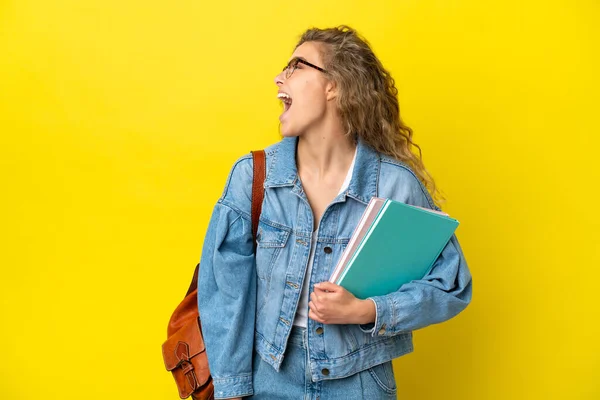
[[186, 343]]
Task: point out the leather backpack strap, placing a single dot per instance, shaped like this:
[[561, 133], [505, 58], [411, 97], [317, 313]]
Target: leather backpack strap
[[258, 180], [258, 189]]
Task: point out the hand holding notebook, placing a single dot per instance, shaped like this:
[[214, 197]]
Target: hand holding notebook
[[332, 304]]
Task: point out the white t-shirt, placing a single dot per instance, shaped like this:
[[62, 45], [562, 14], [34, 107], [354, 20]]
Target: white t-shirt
[[301, 318]]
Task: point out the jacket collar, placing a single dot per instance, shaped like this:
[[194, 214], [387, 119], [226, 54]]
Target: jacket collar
[[363, 185]]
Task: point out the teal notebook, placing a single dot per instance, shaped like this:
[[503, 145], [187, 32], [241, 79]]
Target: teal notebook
[[401, 245]]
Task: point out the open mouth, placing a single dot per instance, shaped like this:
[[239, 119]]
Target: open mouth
[[286, 99]]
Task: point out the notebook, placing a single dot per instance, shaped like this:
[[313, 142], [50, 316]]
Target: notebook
[[393, 244]]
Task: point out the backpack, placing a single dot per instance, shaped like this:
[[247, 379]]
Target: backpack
[[183, 352]]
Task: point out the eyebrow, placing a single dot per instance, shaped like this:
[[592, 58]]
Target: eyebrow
[[298, 58]]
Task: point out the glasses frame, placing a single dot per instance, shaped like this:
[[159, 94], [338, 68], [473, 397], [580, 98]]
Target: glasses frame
[[293, 64]]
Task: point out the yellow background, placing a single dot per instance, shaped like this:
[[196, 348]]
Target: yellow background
[[119, 121]]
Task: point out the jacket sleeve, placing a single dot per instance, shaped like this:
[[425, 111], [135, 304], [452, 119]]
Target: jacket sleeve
[[443, 293], [227, 289]]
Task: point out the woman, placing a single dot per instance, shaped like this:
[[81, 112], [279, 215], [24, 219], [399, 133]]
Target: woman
[[274, 327]]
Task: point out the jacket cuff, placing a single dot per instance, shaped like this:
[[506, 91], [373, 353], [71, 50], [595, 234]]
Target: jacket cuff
[[236, 386], [383, 318], [370, 327]]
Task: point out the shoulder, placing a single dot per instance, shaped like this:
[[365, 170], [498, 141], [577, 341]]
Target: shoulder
[[237, 193], [399, 182]]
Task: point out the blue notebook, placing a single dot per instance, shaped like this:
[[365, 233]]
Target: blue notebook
[[400, 245]]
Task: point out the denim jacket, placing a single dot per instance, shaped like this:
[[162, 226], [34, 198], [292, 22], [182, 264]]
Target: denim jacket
[[247, 301]]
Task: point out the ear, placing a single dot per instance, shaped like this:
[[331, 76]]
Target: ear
[[331, 90]]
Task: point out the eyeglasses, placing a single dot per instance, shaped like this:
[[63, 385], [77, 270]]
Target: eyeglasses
[[293, 64]]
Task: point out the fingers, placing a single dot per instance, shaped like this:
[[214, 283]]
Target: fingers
[[328, 287], [314, 306], [314, 297], [318, 289], [315, 317]]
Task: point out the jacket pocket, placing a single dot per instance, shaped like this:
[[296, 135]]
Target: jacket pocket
[[383, 375], [271, 238]]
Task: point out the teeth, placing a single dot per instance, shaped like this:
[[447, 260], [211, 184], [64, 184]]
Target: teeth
[[285, 98]]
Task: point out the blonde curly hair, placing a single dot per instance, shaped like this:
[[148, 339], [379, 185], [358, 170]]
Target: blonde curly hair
[[368, 98]]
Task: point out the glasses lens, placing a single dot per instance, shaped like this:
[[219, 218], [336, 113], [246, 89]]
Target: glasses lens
[[289, 69]]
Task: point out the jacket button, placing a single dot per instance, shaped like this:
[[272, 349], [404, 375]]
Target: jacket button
[[382, 330], [327, 250], [325, 371], [319, 331]]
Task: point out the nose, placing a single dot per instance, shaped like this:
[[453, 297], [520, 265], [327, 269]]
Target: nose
[[279, 79]]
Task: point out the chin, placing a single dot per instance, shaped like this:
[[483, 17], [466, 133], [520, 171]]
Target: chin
[[288, 131], [286, 134]]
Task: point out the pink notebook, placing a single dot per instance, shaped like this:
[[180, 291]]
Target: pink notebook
[[359, 232]]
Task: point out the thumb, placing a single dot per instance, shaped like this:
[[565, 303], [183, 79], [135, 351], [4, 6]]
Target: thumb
[[328, 286]]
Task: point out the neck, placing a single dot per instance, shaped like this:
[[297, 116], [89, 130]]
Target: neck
[[324, 152]]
